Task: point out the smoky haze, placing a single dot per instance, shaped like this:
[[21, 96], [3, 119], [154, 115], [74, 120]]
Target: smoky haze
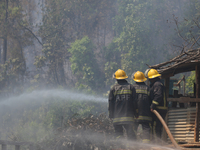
[[102, 36], [77, 45], [51, 59]]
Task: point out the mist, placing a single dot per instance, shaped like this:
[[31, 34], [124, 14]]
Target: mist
[[73, 48], [28, 117]]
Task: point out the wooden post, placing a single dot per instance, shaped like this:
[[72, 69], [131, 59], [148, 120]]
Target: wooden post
[[167, 80], [17, 147], [184, 85], [4, 147], [196, 128], [194, 90]]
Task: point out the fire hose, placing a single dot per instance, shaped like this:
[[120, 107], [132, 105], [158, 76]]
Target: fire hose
[[166, 129]]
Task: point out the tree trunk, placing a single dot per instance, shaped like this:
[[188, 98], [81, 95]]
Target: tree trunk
[[62, 73], [5, 34]]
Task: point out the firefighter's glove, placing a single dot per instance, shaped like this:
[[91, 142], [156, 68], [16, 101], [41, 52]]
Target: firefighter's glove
[[153, 106]]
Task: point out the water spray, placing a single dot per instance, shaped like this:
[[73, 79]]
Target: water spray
[[37, 96]]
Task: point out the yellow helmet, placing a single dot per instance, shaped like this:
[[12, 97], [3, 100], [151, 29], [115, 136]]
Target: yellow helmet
[[153, 73], [120, 74], [139, 77]]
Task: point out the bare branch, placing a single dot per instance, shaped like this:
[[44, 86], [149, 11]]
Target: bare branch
[[176, 64], [195, 41], [182, 58], [31, 33], [197, 23]]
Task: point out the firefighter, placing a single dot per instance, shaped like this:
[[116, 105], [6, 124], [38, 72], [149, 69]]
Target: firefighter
[[122, 105], [143, 104], [158, 97]]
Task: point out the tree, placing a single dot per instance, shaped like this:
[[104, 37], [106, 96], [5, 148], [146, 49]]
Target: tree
[[67, 21], [187, 33], [134, 40], [53, 31], [13, 31], [84, 65], [190, 83], [141, 33], [187, 29], [113, 61]]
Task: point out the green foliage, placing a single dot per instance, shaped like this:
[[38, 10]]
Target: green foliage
[[62, 110], [53, 31], [119, 20], [63, 23], [139, 33], [33, 120], [190, 83], [135, 40], [10, 74], [112, 58], [110, 68], [137, 26], [84, 65], [14, 33], [40, 61]]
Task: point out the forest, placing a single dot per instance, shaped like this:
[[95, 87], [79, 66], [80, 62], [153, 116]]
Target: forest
[[80, 44], [52, 51]]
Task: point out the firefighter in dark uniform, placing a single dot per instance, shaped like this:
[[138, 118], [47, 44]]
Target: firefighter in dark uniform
[[122, 105], [143, 104], [159, 101]]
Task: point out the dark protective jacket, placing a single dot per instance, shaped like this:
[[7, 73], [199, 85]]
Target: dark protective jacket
[[122, 104], [143, 102], [158, 96]]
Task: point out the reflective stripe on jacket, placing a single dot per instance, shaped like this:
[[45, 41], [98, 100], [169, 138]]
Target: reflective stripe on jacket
[[123, 119], [122, 104], [158, 96]]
